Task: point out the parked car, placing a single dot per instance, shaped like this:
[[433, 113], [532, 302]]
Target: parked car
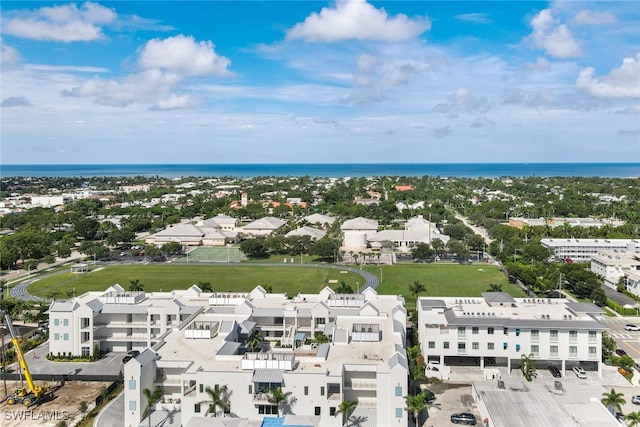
[[555, 372], [464, 418], [620, 352], [130, 355], [635, 399], [632, 327], [580, 373]]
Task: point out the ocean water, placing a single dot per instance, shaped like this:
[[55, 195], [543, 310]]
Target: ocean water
[[330, 170]]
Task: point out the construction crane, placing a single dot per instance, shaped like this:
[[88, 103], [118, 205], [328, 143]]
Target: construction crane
[[32, 394]]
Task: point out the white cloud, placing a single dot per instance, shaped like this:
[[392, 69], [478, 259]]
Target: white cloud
[[8, 55], [359, 20], [590, 17], [61, 68], [149, 87], [552, 36], [183, 55], [623, 82], [442, 132], [177, 102], [541, 64], [66, 23], [476, 18], [15, 101], [463, 101]]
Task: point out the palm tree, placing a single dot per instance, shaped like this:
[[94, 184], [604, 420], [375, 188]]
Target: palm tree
[[135, 285], [205, 286], [493, 287], [415, 405], [613, 399], [416, 287], [346, 408], [219, 399], [279, 398], [633, 418], [254, 340], [152, 397]]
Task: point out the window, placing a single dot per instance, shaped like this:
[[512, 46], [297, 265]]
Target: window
[[535, 350], [317, 410], [553, 335], [201, 388], [332, 411], [505, 345], [505, 331], [573, 351], [517, 347], [132, 405], [462, 346], [592, 352], [56, 337], [250, 388], [322, 391], [65, 322], [196, 408], [432, 344], [398, 390], [306, 390], [475, 346], [445, 344], [268, 409], [475, 330], [535, 335], [490, 331], [398, 412], [65, 337], [592, 336], [517, 332], [56, 322], [573, 336], [462, 330], [86, 351], [132, 384], [490, 346], [553, 351]]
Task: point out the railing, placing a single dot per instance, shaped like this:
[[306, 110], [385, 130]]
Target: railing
[[360, 384]]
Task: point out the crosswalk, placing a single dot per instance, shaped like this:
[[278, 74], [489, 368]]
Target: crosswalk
[[621, 334]]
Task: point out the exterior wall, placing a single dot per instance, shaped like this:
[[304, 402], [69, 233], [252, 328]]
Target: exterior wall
[[136, 379], [61, 333], [584, 249]]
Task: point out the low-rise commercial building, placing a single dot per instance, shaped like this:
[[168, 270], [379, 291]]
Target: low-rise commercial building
[[581, 250], [498, 329]]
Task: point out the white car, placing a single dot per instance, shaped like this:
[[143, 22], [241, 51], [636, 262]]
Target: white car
[[580, 373], [632, 327]]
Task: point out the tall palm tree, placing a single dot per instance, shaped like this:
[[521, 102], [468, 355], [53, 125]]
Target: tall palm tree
[[135, 285], [415, 405], [205, 286], [613, 399], [346, 408], [152, 397], [633, 418], [416, 287], [279, 398], [219, 399], [254, 340]]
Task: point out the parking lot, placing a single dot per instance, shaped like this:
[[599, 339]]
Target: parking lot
[[455, 396]]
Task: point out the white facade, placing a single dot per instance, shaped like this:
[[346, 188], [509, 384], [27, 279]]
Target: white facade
[[582, 250], [633, 282], [364, 360], [118, 320], [500, 329], [612, 265]]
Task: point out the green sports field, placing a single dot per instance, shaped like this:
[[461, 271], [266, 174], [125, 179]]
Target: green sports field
[[439, 279]]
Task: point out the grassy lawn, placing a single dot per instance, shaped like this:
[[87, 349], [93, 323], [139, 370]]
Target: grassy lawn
[[221, 277], [441, 280]]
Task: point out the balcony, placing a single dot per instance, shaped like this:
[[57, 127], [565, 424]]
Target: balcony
[[361, 384]]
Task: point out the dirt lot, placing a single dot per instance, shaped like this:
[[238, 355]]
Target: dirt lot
[[63, 407]]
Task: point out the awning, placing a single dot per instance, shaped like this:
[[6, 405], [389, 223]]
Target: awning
[[267, 376], [299, 336]]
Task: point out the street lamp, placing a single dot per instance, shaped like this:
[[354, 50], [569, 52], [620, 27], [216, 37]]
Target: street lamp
[[380, 274]]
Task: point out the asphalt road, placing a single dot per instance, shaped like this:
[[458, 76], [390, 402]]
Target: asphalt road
[[629, 341]]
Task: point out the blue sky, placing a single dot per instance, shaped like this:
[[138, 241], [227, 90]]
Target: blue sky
[[346, 81]]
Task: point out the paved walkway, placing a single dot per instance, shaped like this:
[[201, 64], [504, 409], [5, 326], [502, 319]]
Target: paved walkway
[[112, 415]]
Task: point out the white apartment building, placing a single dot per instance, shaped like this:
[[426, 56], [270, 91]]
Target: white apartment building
[[612, 265], [118, 320], [633, 282], [364, 360], [581, 250], [498, 329]]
